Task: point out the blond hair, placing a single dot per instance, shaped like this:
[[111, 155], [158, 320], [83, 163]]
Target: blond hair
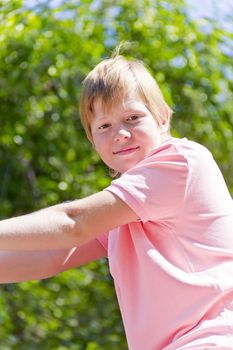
[[112, 80]]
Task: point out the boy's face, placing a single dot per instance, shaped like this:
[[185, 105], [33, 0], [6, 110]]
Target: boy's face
[[126, 134]]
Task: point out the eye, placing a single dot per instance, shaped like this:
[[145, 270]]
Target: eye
[[104, 126], [133, 118]]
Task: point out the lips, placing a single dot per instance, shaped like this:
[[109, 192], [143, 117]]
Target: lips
[[127, 150]]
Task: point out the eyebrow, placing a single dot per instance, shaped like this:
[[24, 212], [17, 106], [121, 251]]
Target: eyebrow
[[129, 107], [135, 111], [99, 119]]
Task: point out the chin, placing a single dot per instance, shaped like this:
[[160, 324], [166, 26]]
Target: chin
[[126, 169]]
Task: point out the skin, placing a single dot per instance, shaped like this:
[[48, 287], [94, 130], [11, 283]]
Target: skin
[[41, 244], [19, 266]]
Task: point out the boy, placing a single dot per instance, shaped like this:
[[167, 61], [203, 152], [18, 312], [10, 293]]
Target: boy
[[165, 223]]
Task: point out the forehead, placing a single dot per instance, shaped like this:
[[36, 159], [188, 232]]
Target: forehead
[[118, 107]]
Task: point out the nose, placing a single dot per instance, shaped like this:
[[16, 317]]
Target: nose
[[122, 135]]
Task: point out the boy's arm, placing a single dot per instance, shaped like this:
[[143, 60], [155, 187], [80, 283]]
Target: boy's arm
[[29, 265], [65, 225]]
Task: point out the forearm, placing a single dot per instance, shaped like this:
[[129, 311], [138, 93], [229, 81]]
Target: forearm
[[34, 265], [26, 266]]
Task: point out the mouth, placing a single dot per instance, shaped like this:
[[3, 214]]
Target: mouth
[[125, 151]]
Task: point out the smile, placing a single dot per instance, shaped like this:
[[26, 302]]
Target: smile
[[126, 150]]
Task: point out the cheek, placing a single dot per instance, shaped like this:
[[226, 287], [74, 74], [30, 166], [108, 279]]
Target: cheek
[[150, 130], [100, 145], [150, 135]]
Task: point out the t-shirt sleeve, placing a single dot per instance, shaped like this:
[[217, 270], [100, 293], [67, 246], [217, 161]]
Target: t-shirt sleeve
[[155, 188], [103, 240]]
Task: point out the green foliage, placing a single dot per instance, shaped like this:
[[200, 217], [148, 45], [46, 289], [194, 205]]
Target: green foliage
[[74, 310], [45, 53]]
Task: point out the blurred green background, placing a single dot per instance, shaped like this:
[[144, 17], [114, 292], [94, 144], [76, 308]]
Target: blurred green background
[[45, 53]]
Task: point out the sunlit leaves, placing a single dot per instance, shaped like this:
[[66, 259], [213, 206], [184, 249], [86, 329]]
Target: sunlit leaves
[[46, 51]]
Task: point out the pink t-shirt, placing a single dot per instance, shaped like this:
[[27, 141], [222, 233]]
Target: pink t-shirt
[[173, 268]]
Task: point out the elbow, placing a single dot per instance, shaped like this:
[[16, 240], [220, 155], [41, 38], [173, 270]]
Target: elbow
[[76, 231], [74, 225]]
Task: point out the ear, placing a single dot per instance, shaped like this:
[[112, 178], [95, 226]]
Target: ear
[[90, 139], [165, 124], [92, 143]]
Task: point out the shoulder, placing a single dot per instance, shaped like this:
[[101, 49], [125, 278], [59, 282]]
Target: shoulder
[[153, 186], [182, 146], [183, 150]]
